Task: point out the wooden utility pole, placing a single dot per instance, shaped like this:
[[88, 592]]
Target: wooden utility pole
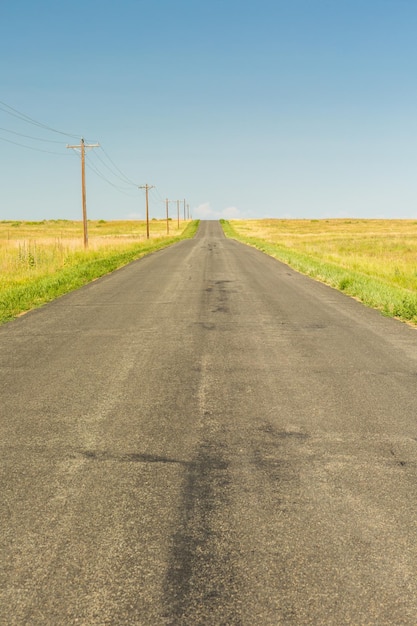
[[166, 206], [184, 211], [147, 187], [178, 213], [82, 147]]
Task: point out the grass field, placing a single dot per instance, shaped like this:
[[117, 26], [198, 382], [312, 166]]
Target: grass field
[[374, 261], [40, 261]]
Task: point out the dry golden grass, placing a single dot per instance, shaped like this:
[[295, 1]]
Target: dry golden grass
[[374, 261], [98, 231], [28, 249], [386, 249], [40, 261]]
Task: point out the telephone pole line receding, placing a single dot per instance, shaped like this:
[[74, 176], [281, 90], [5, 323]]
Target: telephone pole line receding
[[82, 147], [147, 187]]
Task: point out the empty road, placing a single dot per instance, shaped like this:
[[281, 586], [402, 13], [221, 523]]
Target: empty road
[[207, 437]]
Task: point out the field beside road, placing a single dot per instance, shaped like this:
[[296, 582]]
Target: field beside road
[[374, 261], [40, 261]]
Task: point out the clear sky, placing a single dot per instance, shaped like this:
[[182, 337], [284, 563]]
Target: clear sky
[[260, 108]]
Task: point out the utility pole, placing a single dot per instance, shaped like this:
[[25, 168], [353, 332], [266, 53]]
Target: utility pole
[[82, 147], [178, 213], [184, 211], [166, 206], [147, 187]]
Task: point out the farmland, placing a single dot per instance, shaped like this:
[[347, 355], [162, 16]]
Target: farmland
[[40, 261], [374, 261]]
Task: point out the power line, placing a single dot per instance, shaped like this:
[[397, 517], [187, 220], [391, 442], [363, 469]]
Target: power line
[[156, 198], [13, 132], [128, 180], [29, 147], [30, 120], [123, 180], [161, 199], [98, 173], [114, 170]]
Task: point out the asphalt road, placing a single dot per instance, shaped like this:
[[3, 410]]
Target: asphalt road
[[208, 437]]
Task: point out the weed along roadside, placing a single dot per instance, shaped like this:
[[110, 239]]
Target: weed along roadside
[[40, 261], [371, 260]]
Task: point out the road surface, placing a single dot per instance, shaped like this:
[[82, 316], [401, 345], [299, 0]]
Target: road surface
[[207, 437]]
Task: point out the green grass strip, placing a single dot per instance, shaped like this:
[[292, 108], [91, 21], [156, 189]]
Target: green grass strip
[[391, 300], [84, 268]]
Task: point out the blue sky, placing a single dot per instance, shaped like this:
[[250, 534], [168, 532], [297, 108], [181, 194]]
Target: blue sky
[[266, 108]]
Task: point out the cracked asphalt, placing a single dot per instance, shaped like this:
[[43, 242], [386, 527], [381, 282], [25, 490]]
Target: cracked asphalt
[[207, 437]]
